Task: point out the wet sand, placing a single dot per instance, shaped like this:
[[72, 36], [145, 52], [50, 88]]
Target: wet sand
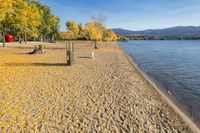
[[39, 93]]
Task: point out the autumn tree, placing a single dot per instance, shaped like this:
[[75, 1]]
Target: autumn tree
[[6, 7], [34, 21], [109, 35], [54, 30], [27, 19], [45, 27], [21, 17], [69, 35], [72, 27], [96, 28], [6, 13], [80, 27], [83, 35], [62, 36], [94, 32], [49, 27]]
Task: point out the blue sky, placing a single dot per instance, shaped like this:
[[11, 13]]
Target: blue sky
[[129, 14]]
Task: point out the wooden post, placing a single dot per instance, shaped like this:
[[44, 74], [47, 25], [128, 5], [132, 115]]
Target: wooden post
[[67, 45], [70, 53], [73, 45], [68, 58], [67, 52]]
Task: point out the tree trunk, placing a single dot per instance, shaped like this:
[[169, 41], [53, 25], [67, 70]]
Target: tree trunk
[[3, 37], [4, 41], [95, 43], [25, 38], [20, 39], [52, 38]]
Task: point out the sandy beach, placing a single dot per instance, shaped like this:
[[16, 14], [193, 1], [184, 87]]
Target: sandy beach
[[39, 93]]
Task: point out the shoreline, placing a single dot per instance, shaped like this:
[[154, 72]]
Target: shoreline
[[189, 122]]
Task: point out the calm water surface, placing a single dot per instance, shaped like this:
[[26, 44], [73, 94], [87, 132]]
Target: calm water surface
[[174, 66]]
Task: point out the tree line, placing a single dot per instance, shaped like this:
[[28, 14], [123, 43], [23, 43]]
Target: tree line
[[93, 31], [27, 20], [30, 20]]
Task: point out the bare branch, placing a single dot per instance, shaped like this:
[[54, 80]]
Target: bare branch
[[100, 18]]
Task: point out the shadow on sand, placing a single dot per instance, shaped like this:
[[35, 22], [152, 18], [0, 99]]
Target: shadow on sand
[[84, 57], [31, 47], [36, 64]]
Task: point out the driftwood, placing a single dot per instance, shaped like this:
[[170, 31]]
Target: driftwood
[[38, 50]]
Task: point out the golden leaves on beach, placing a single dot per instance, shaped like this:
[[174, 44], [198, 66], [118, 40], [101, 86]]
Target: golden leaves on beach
[[103, 95], [106, 50], [24, 89]]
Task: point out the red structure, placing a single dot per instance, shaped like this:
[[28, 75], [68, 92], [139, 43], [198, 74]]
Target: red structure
[[9, 38]]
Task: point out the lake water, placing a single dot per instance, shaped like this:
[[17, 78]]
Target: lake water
[[174, 66]]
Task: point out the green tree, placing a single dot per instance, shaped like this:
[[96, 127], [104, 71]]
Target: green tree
[[54, 22], [45, 27]]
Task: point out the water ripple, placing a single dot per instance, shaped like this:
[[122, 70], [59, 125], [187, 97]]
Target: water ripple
[[175, 65]]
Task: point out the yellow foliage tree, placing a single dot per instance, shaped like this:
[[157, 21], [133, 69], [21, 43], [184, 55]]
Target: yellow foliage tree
[[69, 35], [54, 27], [94, 32], [6, 13], [109, 35], [34, 19], [72, 27], [6, 6], [83, 35], [62, 36], [20, 16], [27, 19]]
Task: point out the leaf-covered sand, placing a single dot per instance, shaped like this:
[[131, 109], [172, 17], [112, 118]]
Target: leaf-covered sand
[[40, 93]]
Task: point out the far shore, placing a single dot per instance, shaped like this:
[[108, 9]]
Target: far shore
[[39, 93]]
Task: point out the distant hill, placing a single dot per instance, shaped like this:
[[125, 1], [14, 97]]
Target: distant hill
[[180, 31]]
